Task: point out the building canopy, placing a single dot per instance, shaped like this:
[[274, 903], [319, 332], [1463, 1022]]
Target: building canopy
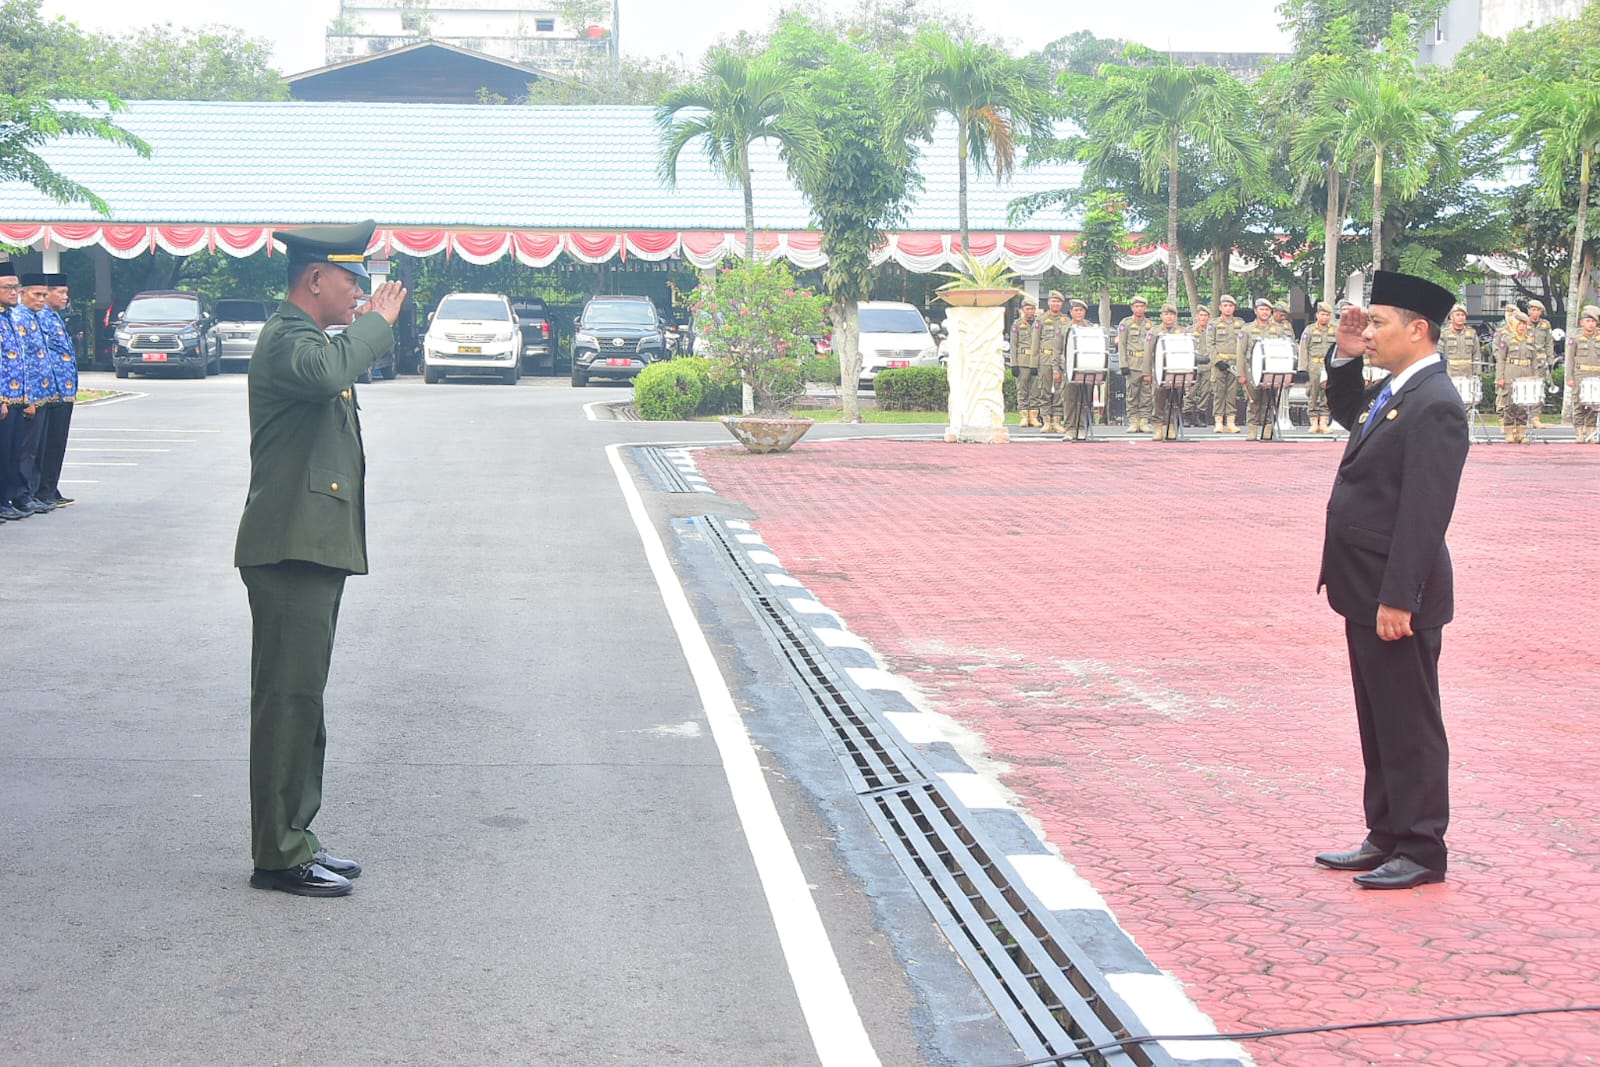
[[483, 182]]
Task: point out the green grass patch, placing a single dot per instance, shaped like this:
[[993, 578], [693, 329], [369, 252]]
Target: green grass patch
[[89, 396]]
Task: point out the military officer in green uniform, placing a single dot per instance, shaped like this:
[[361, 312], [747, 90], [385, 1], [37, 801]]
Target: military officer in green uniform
[[1133, 345], [1225, 366], [1194, 400], [1586, 367], [303, 531], [1314, 345], [1262, 329], [1025, 362], [1052, 357]]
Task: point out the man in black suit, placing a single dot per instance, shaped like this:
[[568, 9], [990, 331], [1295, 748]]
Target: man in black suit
[[1387, 570]]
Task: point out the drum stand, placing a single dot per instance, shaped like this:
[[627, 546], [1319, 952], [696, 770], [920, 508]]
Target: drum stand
[[1269, 394], [1085, 381], [1175, 386], [1475, 423]]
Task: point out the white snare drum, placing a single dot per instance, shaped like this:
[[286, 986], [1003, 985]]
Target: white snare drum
[[1589, 391], [1088, 350], [1469, 387], [1174, 355], [1528, 392], [1272, 355]]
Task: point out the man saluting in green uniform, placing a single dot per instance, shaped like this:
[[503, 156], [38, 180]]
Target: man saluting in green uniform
[[303, 530]]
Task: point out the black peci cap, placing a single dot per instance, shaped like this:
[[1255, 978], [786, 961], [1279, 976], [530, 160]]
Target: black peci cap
[[8, 269], [56, 281], [343, 246], [32, 278], [1432, 302]]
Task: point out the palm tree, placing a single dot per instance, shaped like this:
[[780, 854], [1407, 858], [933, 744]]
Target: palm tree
[[1384, 122], [993, 98], [1159, 112], [1563, 119], [739, 99]]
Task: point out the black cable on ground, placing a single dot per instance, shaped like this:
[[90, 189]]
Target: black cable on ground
[[1256, 1035]]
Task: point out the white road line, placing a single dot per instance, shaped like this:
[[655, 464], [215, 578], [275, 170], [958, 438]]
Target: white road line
[[80, 481], [142, 441], [837, 1031], [75, 448], [146, 429], [91, 463], [1164, 1008], [589, 409]]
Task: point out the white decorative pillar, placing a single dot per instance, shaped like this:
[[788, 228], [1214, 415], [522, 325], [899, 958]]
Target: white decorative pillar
[[51, 260], [977, 373]]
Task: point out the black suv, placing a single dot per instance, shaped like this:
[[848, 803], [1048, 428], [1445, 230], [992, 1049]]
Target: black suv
[[539, 340], [167, 330], [617, 337]]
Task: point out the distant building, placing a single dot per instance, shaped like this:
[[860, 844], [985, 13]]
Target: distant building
[[1246, 66], [1462, 20], [427, 72], [529, 33]]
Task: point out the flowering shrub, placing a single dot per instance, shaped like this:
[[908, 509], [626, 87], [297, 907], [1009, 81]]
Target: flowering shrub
[[754, 319]]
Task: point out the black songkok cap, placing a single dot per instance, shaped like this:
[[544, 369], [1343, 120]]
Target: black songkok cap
[[56, 281], [7, 268], [1432, 302], [32, 278]]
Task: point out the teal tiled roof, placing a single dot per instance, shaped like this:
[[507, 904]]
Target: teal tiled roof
[[446, 165]]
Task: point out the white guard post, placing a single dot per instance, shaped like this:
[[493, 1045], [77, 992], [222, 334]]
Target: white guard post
[[977, 374]]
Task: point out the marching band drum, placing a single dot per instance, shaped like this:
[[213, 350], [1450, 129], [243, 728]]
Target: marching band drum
[[1088, 349], [1175, 358], [1528, 393], [1469, 387], [1589, 392], [1272, 356]]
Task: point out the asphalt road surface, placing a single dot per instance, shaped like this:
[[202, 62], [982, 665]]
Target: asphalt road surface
[[519, 753]]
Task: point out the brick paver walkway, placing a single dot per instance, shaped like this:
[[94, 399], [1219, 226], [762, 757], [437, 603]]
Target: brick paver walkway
[[1134, 630]]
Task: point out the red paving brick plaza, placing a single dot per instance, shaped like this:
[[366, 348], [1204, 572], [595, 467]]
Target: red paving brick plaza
[[1134, 630]]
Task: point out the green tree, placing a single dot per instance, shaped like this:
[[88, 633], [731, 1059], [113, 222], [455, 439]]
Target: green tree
[[994, 98], [600, 78], [1102, 238], [1159, 112], [859, 175], [739, 100], [1321, 27], [32, 119], [1561, 121]]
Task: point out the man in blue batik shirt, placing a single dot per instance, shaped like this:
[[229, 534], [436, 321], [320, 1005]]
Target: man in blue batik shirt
[[64, 367], [39, 381], [13, 393]]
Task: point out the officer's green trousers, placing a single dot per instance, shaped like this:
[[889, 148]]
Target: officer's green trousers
[[294, 608]]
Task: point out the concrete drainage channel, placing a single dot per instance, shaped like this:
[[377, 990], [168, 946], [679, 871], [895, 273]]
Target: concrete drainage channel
[[1043, 986]]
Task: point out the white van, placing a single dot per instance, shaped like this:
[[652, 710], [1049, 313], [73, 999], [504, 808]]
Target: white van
[[893, 335]]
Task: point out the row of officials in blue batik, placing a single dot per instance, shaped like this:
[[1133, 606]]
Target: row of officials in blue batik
[[38, 385]]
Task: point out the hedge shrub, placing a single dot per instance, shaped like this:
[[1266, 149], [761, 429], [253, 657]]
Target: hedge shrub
[[677, 389], [925, 389]]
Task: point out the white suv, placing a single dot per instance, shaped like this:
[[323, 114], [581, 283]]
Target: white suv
[[473, 333], [893, 335]]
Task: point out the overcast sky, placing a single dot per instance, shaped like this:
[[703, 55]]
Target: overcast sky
[[687, 27]]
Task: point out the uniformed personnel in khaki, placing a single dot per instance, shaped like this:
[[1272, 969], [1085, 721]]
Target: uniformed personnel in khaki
[[1315, 342], [1194, 400], [1225, 366], [1458, 344], [1077, 399], [304, 529], [1052, 355], [1133, 345], [1518, 357], [1263, 328], [1025, 362], [1168, 402], [1539, 329], [1586, 367]]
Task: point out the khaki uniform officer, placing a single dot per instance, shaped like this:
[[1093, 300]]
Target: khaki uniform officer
[[1077, 399], [1225, 366], [1025, 361], [1280, 315], [1260, 330], [1314, 345], [304, 529], [1052, 357], [1586, 365], [1194, 401], [1539, 330], [1458, 343], [1133, 343], [1165, 399], [1518, 357]]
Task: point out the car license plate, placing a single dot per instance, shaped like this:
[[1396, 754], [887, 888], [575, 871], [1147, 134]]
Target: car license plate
[[897, 364], [155, 357], [470, 350], [615, 362]]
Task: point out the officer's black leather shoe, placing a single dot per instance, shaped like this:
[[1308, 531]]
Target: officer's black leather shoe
[[62, 501], [343, 868], [1401, 872], [306, 880], [29, 506], [1366, 857], [11, 514]]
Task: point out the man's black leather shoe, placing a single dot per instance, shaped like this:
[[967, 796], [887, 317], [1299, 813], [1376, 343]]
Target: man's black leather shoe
[[11, 514], [1401, 872], [306, 880], [63, 501], [29, 506], [1366, 857], [343, 868]]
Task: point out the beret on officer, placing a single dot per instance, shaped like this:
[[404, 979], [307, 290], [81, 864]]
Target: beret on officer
[[1409, 293], [1169, 307], [1055, 294], [342, 246], [1591, 311], [32, 278]]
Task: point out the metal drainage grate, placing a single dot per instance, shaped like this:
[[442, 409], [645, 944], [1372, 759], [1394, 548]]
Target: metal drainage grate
[[1045, 989], [664, 474]]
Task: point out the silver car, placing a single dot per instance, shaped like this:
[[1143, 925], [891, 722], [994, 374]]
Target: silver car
[[238, 325]]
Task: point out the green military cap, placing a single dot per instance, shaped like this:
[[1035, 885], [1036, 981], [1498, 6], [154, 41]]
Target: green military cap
[[1536, 304], [1029, 302], [1055, 294], [1591, 311], [1263, 302], [1226, 299], [343, 246], [1138, 300], [1169, 307], [1323, 305], [1079, 304]]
